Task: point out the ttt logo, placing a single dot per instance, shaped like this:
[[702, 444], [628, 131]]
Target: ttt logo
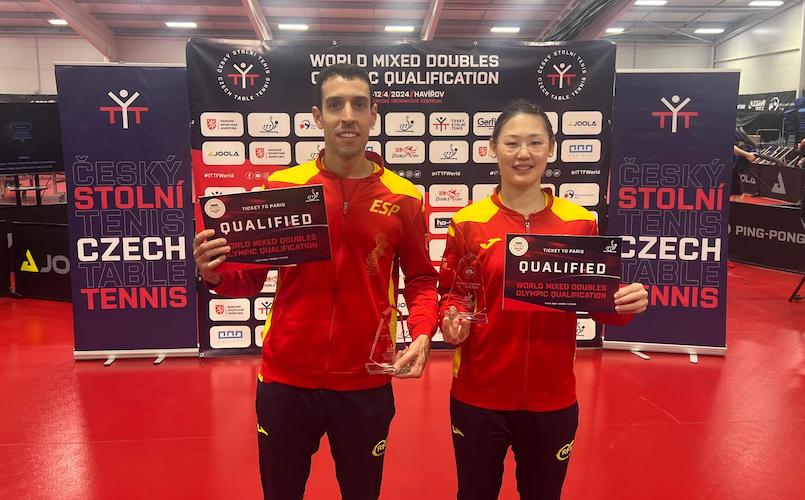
[[124, 107]]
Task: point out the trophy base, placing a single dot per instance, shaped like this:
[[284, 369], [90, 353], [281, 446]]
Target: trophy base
[[384, 369], [480, 318]]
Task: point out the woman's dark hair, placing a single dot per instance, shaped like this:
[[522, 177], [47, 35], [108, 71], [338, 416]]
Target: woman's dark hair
[[518, 107]]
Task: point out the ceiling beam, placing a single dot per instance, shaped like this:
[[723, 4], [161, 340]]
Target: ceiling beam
[[598, 27], [750, 23], [557, 20], [431, 19], [82, 22], [258, 19]]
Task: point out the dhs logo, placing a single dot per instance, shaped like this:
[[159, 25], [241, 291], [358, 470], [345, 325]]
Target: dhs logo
[[243, 75], [562, 75]]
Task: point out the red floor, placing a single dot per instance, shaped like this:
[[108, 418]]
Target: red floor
[[727, 428]]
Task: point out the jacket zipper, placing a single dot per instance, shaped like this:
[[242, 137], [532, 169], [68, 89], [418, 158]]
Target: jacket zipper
[[528, 338], [344, 212]]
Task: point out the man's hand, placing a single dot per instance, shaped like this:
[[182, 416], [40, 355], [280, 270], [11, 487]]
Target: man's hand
[[410, 363], [631, 299], [209, 254], [455, 328]]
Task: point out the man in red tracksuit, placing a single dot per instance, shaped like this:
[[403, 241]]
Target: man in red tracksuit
[[319, 333]]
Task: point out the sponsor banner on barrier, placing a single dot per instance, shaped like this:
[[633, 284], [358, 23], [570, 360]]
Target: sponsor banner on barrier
[[40, 261], [570, 273], [672, 166], [5, 254], [126, 148], [768, 235], [437, 104]]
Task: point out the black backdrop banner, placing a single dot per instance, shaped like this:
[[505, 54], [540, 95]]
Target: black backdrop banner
[[5, 255], [251, 108], [30, 138], [40, 260], [766, 101]]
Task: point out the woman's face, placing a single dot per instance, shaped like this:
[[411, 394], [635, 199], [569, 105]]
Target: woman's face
[[522, 150]]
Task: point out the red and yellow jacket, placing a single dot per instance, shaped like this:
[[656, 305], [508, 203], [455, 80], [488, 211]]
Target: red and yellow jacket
[[518, 360], [320, 330]]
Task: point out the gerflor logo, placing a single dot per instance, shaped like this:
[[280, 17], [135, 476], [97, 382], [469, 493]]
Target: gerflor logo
[[562, 75], [675, 112], [124, 107], [244, 75]]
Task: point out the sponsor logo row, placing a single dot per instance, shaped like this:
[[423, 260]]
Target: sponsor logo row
[[394, 152], [240, 336], [398, 124], [586, 194]]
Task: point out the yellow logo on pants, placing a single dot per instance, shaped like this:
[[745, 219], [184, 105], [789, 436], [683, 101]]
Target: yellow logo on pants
[[379, 448], [564, 451]]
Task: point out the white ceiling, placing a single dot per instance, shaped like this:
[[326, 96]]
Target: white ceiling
[[467, 19]]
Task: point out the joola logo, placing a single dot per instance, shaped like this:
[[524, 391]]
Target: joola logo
[[223, 153], [124, 107], [58, 264]]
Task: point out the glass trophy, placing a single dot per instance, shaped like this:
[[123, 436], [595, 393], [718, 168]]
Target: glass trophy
[[467, 295], [384, 348]]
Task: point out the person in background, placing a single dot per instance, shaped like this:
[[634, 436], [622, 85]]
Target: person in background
[[320, 330], [513, 382]]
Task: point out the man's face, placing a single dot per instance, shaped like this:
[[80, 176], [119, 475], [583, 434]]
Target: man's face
[[346, 116]]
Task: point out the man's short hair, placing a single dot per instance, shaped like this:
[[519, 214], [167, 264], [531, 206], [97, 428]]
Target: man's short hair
[[345, 71]]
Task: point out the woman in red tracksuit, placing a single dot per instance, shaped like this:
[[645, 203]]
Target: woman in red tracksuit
[[513, 382]]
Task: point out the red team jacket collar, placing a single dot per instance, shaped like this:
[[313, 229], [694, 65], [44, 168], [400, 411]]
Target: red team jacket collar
[[369, 155], [499, 203]]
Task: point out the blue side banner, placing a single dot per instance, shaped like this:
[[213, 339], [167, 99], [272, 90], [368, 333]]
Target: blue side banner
[[126, 140], [671, 172]]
